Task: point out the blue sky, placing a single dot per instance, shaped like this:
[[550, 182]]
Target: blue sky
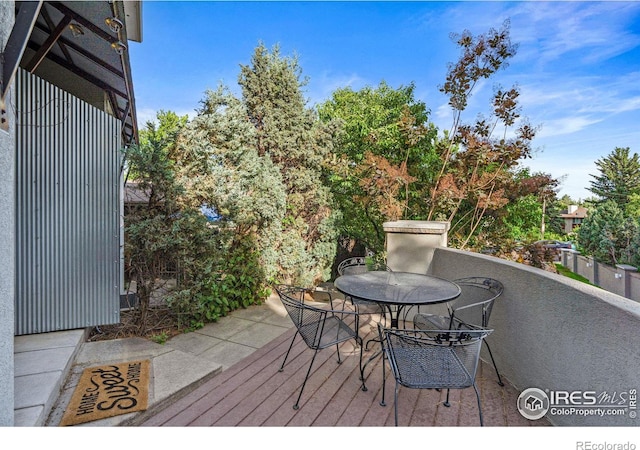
[[577, 66]]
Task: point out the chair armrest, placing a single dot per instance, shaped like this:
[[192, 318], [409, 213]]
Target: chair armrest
[[473, 305], [323, 292], [330, 310]]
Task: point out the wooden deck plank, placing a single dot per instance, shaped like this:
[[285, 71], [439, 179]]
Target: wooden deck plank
[[253, 393]]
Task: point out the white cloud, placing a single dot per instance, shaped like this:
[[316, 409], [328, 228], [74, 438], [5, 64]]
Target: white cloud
[[566, 125], [595, 31]]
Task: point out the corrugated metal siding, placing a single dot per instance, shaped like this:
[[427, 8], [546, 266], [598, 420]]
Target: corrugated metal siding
[[67, 218]]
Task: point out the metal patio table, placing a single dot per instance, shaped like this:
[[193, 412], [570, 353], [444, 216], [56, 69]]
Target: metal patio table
[[397, 290]]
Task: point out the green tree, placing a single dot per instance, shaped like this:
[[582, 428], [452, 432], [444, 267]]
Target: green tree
[[607, 234], [523, 218], [384, 158], [619, 176], [222, 169], [300, 145], [183, 166], [476, 161], [633, 206], [525, 213], [166, 232]]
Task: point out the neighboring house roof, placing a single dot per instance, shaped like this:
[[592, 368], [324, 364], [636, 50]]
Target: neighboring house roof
[[578, 212]]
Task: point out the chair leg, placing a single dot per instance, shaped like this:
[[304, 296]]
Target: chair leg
[[384, 382], [494, 363], [357, 325], [371, 340], [287, 355], [479, 407], [364, 386], [296, 406], [395, 403], [446, 402]]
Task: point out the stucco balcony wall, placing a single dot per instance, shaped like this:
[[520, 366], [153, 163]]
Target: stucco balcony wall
[[554, 333]]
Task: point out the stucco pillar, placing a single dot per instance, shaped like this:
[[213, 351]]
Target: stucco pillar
[[410, 244], [625, 270], [7, 236], [592, 271], [569, 258]]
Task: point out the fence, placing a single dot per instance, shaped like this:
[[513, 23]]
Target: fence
[[622, 279]]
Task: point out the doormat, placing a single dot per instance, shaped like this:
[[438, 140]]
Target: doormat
[[108, 391]]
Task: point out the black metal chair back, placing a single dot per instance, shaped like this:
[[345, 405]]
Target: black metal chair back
[[360, 264], [433, 359], [471, 310], [319, 328], [474, 305], [357, 265]]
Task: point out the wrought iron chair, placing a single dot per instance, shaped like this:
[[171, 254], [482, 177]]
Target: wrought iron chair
[[432, 359], [320, 328], [472, 309], [357, 265]]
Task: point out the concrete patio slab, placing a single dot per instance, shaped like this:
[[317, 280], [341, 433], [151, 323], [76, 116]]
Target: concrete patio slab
[[40, 361], [228, 353], [70, 338], [37, 389], [226, 328], [193, 342], [258, 335]]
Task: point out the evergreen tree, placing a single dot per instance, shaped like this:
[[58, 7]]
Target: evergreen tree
[[608, 235], [167, 231], [619, 177], [244, 188], [290, 134]]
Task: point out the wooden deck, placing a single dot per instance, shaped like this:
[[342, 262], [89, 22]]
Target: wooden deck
[[254, 393]]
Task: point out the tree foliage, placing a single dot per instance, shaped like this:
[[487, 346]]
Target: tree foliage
[[299, 145], [183, 166], [476, 160], [393, 164], [619, 177], [383, 159], [167, 232], [224, 171], [609, 235]]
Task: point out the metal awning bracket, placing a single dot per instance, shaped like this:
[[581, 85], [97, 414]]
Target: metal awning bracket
[[14, 49]]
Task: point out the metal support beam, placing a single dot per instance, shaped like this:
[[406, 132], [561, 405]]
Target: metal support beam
[[66, 44], [82, 74], [95, 29], [47, 45], [49, 22], [12, 53], [126, 68]]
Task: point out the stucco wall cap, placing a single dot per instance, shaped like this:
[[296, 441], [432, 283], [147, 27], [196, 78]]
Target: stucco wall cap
[[416, 227]]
